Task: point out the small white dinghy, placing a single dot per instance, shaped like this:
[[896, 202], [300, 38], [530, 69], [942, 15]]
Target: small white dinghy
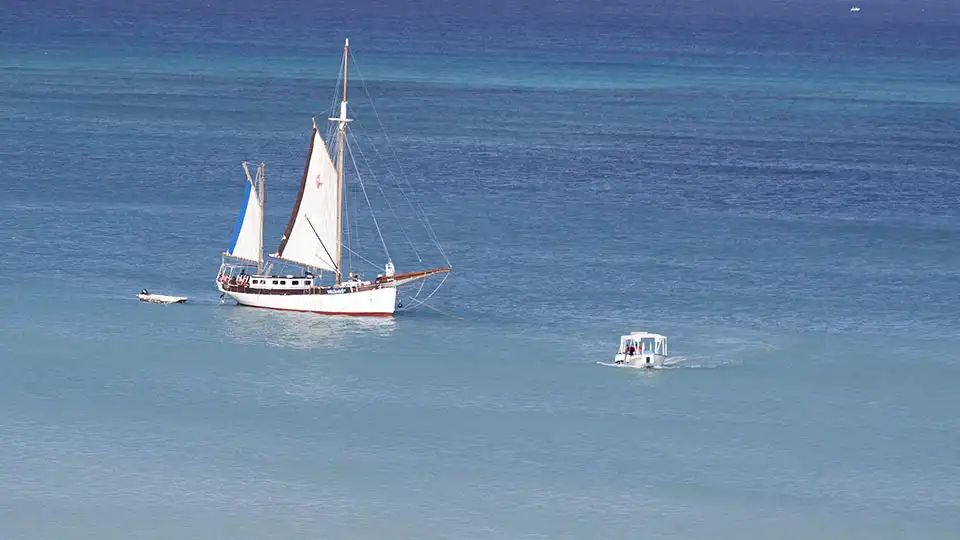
[[641, 349], [147, 296]]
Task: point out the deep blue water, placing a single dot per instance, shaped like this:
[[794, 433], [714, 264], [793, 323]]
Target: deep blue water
[[776, 187]]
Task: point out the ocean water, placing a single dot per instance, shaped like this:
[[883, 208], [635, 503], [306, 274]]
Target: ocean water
[[774, 186]]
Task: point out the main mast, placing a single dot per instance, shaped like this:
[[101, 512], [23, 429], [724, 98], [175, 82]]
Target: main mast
[[341, 136], [263, 210]]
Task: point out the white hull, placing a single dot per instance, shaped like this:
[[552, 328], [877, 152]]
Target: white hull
[[161, 299], [375, 302], [640, 360]]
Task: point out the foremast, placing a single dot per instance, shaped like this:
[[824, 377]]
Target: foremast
[[247, 243], [258, 185]]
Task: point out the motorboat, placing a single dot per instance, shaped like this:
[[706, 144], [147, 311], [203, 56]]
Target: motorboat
[[642, 349]]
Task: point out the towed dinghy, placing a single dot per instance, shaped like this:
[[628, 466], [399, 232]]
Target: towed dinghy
[[147, 296]]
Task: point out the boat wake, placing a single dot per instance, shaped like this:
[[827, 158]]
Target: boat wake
[[680, 362], [634, 366], [699, 362]]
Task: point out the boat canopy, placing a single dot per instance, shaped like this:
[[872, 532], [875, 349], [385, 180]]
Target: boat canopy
[[645, 343]]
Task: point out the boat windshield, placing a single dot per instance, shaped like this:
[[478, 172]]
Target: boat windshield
[[643, 345]]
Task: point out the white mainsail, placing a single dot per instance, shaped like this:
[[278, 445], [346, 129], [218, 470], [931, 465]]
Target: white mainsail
[[248, 233], [313, 232]]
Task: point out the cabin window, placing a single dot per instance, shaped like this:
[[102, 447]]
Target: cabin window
[[274, 282], [283, 282], [295, 282], [306, 282]]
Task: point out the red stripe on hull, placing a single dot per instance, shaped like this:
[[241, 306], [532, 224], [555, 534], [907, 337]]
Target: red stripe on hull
[[370, 314]]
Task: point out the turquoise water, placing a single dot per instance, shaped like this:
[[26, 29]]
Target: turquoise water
[[777, 191]]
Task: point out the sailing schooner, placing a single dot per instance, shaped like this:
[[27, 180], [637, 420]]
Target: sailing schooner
[[313, 240]]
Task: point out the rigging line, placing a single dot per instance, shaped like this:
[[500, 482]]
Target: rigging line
[[417, 294], [337, 268], [420, 289], [403, 229], [445, 276], [438, 310], [356, 225], [364, 259], [330, 135], [421, 216], [333, 103], [403, 192], [434, 290], [364, 189], [427, 225], [346, 218]]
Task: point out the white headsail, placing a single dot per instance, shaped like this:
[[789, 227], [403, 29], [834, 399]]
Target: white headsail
[[313, 232], [248, 233]]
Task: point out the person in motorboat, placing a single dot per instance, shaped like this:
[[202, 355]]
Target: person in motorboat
[[144, 292]]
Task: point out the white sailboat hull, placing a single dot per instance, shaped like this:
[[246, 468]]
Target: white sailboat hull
[[379, 302]]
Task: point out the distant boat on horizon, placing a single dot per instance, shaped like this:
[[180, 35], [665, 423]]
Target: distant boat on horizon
[[855, 9]]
